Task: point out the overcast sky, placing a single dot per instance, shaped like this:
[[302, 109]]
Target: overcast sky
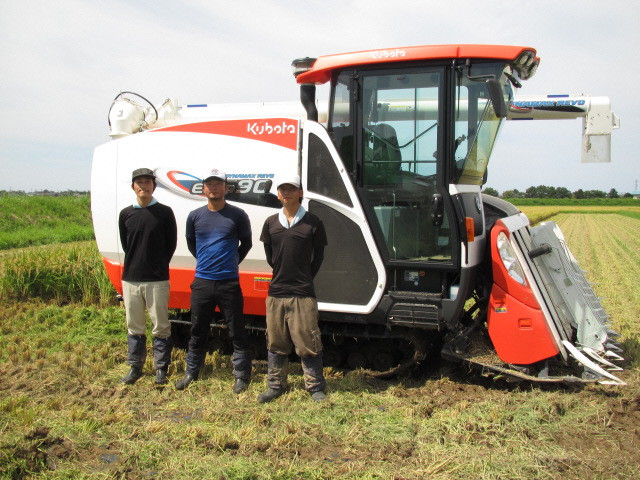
[[64, 61]]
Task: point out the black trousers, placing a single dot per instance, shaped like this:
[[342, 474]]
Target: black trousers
[[206, 295]]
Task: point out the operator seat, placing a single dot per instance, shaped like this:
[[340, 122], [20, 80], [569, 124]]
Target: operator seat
[[382, 157]]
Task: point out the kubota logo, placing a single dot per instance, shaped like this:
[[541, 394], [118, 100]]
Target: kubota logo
[[265, 128], [382, 54]]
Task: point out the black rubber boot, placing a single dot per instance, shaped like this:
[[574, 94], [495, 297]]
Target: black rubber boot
[[270, 394], [241, 361], [277, 371], [132, 377], [313, 375], [185, 381], [240, 386], [161, 376], [318, 396]]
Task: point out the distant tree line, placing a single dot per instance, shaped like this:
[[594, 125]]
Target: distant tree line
[[543, 191], [43, 193]]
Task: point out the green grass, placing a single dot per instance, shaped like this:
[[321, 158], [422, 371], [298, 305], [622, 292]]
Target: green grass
[[27, 221], [631, 214]]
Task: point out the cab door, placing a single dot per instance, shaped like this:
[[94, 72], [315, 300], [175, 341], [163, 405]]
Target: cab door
[[400, 155], [352, 277]]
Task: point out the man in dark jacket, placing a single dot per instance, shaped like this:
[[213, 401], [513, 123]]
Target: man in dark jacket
[[149, 236], [294, 242]]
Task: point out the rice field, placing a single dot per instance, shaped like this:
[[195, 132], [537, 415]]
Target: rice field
[[608, 248], [540, 213], [65, 414], [62, 273]]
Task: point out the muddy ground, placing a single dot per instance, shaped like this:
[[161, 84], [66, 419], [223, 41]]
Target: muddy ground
[[614, 446]]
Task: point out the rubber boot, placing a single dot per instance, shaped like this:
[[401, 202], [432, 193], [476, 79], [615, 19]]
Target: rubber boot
[[240, 385], [186, 381], [137, 350], [241, 361], [161, 376], [162, 352], [277, 372], [195, 360], [132, 377], [269, 394], [314, 381]]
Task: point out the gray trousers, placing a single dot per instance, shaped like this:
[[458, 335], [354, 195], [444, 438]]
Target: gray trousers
[[293, 323]]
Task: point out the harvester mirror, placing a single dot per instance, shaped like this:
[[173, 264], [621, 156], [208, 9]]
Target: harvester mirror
[[495, 93]]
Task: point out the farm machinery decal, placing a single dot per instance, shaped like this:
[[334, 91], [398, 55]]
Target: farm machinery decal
[[278, 131], [191, 186]]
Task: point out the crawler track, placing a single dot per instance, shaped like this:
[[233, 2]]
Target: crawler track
[[379, 352]]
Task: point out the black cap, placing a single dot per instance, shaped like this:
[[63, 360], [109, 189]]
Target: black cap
[[142, 172]]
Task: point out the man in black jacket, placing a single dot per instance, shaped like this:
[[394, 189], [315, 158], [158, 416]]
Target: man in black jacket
[[294, 242], [149, 236]]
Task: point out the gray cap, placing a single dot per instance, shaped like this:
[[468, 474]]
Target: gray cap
[[142, 172]]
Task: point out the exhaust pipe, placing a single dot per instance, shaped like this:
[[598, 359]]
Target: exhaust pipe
[[308, 99], [307, 90]]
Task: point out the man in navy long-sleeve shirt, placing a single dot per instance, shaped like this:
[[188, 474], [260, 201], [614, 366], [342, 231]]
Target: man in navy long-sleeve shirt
[[219, 236]]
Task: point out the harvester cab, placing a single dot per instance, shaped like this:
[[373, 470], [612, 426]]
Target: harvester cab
[[417, 256], [415, 139]]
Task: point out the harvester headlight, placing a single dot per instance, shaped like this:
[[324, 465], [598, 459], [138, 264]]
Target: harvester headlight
[[301, 65], [509, 259], [526, 58]]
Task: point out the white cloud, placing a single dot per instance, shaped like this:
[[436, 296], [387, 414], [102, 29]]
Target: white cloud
[[65, 61]]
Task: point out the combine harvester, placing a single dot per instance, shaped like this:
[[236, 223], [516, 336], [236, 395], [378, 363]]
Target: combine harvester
[[418, 261]]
